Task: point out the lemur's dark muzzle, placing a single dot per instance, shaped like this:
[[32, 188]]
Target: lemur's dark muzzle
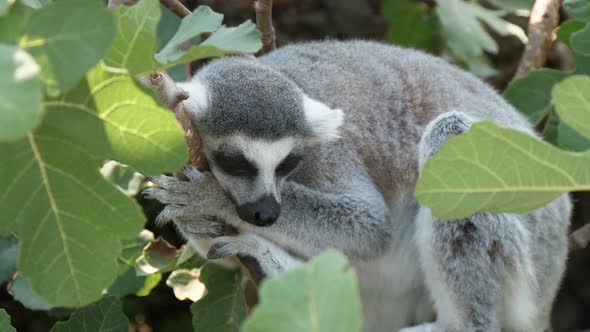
[[263, 212]]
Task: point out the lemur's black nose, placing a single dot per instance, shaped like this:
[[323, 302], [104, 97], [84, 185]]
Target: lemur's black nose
[[263, 212]]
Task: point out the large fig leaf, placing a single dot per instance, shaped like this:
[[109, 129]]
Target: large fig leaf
[[66, 215], [20, 93], [494, 169], [320, 296], [572, 103], [67, 38], [136, 40], [221, 310], [103, 316]]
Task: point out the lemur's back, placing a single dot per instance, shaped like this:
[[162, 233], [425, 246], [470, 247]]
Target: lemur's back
[[388, 95]]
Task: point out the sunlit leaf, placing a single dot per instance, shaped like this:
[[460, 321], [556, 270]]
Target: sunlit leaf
[[105, 315], [494, 169], [410, 24], [122, 176], [319, 296], [66, 215], [20, 93], [66, 46], [136, 40]]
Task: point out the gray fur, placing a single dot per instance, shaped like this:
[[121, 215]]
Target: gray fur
[[356, 193]]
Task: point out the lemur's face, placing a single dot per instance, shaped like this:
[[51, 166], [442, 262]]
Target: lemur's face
[[255, 124], [252, 171]]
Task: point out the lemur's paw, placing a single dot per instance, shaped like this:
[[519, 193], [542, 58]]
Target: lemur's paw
[[430, 327], [235, 245], [200, 228]]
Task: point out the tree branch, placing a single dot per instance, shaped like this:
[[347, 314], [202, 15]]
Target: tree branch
[[580, 238], [176, 7], [542, 22], [263, 10]]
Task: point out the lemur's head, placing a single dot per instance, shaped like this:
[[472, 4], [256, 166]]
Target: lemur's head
[[255, 124]]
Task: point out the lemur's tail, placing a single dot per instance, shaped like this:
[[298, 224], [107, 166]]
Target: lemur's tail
[[439, 130]]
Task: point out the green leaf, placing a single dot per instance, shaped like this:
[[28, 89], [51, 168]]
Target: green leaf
[[67, 46], [21, 290], [241, 39], [221, 310], [580, 41], [467, 39], [319, 296], [67, 216], [103, 316], [20, 93], [136, 40], [8, 254], [411, 24], [572, 103], [578, 9], [494, 169], [5, 322], [516, 6], [126, 179], [567, 28], [569, 139], [150, 282], [202, 20], [5, 6], [531, 94], [12, 24]]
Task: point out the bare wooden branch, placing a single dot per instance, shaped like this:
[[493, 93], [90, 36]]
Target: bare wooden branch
[[176, 7], [542, 23], [580, 238], [263, 10]]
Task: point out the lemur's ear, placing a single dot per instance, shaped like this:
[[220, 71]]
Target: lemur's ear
[[323, 122], [197, 102]]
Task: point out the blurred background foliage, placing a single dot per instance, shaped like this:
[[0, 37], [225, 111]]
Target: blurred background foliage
[[486, 37]]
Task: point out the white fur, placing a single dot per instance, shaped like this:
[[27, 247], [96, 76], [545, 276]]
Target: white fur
[[198, 101], [443, 300], [323, 121], [266, 155]]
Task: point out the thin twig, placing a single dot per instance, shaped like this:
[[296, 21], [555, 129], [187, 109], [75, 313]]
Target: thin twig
[[580, 238], [542, 23], [176, 7], [263, 10]]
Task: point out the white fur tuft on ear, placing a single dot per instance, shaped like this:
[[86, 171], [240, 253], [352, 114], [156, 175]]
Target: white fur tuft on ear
[[324, 122], [197, 101]]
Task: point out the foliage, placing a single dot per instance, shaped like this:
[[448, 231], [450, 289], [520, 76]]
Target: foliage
[[493, 169], [103, 316], [5, 322], [320, 296], [463, 28]]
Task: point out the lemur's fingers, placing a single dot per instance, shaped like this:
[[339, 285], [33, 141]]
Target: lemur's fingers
[[166, 196], [170, 212], [192, 173], [225, 246], [200, 228]]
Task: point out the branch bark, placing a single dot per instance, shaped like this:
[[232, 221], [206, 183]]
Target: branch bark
[[263, 10], [176, 7], [542, 23]]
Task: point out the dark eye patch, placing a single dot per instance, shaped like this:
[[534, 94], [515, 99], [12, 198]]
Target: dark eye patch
[[235, 164], [288, 164]]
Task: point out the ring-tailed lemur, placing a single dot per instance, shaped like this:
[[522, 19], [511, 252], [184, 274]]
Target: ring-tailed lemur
[[320, 145]]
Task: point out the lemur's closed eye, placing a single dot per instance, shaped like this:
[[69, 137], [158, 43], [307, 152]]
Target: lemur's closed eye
[[235, 164], [288, 164]]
